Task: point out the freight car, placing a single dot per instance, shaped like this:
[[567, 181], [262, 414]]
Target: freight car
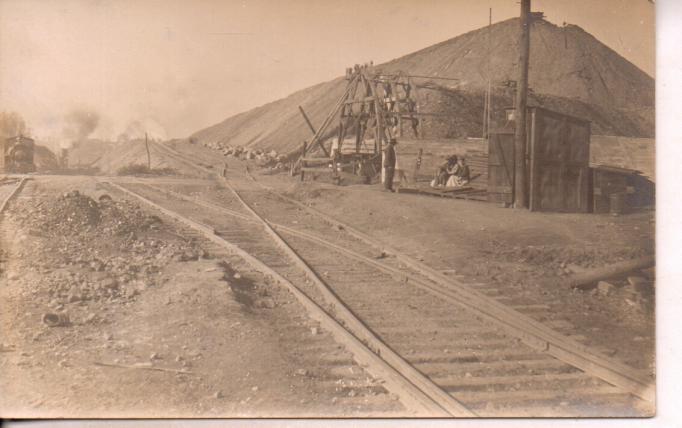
[[16, 155]]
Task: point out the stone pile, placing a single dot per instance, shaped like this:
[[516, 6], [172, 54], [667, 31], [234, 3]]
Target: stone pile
[[96, 252], [271, 159]]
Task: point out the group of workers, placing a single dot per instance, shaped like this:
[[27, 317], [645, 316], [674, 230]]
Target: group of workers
[[454, 172]]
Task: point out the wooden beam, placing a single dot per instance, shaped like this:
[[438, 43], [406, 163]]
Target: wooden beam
[[612, 270], [316, 138], [305, 116]]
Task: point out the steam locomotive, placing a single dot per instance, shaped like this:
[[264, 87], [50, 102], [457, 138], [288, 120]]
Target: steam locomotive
[[16, 155]]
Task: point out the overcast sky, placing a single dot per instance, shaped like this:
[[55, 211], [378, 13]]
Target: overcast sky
[[187, 64]]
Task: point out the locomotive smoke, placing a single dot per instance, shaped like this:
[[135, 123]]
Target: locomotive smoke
[[79, 124]]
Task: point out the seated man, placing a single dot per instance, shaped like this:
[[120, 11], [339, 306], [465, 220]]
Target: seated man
[[445, 171], [461, 176]]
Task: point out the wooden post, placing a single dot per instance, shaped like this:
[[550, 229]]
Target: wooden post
[[305, 148], [149, 156], [520, 197], [488, 99]]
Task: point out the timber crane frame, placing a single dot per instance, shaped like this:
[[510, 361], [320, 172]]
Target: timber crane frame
[[374, 108]]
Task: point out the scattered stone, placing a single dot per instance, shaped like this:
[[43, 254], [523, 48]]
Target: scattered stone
[[637, 281], [7, 348], [266, 303], [302, 372], [55, 320], [236, 275], [605, 288], [109, 283], [218, 395], [154, 356], [313, 331]]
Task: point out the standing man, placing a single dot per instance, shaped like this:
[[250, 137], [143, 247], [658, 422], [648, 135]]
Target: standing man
[[389, 164]]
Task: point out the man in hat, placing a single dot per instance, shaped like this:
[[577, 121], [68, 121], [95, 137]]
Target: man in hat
[[445, 171], [389, 164]]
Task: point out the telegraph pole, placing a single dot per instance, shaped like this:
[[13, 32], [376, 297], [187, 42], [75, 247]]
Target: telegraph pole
[[149, 156], [520, 196]]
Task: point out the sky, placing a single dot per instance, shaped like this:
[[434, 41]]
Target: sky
[[176, 66]]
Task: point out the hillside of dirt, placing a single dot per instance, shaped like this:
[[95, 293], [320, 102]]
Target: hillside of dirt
[[570, 71]]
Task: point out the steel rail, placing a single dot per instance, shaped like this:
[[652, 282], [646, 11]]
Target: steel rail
[[414, 280], [531, 332], [414, 389], [13, 193]]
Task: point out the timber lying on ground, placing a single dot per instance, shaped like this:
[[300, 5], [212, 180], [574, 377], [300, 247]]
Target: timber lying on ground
[[587, 279]]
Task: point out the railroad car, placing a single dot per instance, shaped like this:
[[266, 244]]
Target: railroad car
[[16, 155]]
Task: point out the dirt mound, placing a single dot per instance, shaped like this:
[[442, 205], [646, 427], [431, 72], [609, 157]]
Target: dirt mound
[[76, 214], [105, 250], [570, 71]]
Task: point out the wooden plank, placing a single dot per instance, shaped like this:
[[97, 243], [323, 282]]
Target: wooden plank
[[307, 120]]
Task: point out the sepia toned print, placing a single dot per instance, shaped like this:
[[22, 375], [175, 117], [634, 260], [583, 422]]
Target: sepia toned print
[[327, 209]]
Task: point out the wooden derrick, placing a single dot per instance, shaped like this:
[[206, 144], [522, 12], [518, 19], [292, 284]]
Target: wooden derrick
[[374, 108]]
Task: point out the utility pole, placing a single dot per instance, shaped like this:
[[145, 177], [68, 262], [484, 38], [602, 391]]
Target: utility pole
[[520, 196], [149, 156]]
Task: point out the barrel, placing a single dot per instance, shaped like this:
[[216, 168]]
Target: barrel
[[617, 203]]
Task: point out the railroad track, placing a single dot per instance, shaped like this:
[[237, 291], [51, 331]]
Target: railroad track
[[485, 369], [555, 361], [9, 188]]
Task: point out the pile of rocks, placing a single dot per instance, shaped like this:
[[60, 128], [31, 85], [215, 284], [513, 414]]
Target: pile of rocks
[[271, 159], [100, 252], [74, 213]]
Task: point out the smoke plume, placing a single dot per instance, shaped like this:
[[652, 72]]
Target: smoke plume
[[78, 125]]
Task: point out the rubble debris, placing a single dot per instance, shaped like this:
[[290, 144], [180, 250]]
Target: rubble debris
[[271, 160], [80, 267], [56, 320], [638, 281], [605, 288]]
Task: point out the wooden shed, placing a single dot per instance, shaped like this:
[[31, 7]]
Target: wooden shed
[[637, 190], [557, 161]]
